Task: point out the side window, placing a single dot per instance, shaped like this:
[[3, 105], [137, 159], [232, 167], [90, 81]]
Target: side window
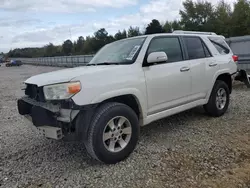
[[195, 47], [170, 45], [220, 45], [207, 53]]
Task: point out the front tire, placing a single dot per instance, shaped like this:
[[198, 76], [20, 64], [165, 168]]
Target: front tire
[[219, 99], [113, 133]]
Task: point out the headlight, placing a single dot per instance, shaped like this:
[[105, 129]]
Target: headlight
[[61, 91]]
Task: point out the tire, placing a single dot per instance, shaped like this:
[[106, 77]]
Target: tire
[[100, 149], [212, 107]]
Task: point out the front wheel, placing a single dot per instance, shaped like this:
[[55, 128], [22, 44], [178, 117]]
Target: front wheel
[[113, 133], [219, 99]]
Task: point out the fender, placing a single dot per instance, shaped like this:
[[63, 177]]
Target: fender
[[218, 73], [141, 99]]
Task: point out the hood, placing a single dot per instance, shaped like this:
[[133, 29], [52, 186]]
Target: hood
[[66, 75]]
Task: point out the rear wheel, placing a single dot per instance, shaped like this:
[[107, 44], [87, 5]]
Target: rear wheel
[[113, 133], [219, 100]]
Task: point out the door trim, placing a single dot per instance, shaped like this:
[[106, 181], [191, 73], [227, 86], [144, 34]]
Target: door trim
[[176, 110], [192, 98]]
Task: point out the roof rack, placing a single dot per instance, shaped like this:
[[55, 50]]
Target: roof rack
[[193, 32]]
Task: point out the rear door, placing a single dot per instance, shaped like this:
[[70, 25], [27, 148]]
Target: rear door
[[202, 65]]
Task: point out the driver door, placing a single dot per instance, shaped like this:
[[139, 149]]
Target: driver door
[[168, 83]]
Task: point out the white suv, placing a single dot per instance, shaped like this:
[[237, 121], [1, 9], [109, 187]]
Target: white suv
[[131, 83]]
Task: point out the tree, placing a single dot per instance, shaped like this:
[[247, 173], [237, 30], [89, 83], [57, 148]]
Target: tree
[[121, 35], [223, 19], [100, 39], [176, 25], [133, 31], [110, 39], [27, 52], [74, 51], [154, 27], [67, 47], [241, 18], [50, 50], [88, 45], [79, 45], [197, 16], [168, 27]]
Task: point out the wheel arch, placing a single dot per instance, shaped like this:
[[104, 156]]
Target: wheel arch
[[226, 77], [131, 97], [223, 75], [130, 100]]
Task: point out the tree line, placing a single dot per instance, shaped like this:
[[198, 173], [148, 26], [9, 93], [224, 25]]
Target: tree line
[[195, 16]]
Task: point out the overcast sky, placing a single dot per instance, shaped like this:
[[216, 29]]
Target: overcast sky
[[29, 23]]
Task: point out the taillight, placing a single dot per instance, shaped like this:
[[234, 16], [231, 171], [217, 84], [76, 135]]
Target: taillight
[[235, 58]]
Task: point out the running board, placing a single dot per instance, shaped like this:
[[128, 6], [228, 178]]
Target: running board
[[51, 132]]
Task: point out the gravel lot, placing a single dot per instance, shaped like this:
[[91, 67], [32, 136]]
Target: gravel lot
[[186, 150]]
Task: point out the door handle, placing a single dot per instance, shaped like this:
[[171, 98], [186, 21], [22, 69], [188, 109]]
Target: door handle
[[212, 64], [185, 69]]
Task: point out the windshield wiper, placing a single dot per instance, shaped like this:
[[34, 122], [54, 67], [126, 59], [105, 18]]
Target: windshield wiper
[[108, 63]]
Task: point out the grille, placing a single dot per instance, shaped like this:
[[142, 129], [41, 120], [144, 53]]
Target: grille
[[35, 92]]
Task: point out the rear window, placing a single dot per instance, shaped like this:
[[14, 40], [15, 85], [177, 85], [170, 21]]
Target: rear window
[[220, 44]]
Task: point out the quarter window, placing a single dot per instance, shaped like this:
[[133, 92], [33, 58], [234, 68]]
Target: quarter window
[[220, 45], [170, 45]]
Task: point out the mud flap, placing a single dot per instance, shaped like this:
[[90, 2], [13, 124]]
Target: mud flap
[[242, 76]]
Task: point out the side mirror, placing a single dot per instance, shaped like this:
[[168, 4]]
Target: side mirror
[[157, 57]]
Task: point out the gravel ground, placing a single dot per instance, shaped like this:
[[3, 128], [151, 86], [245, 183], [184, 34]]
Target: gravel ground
[[186, 150]]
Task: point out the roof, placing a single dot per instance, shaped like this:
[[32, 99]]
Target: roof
[[180, 33]]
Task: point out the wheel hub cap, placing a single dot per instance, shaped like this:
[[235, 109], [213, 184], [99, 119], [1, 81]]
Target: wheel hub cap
[[117, 134], [221, 98]]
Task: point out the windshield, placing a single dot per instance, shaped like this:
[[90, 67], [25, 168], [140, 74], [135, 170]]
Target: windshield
[[120, 52]]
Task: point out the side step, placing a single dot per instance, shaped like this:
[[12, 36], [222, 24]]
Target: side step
[[51, 132]]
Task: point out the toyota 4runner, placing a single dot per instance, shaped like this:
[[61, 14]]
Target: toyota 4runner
[[128, 84]]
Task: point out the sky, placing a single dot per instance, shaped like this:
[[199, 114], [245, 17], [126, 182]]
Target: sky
[[35, 23]]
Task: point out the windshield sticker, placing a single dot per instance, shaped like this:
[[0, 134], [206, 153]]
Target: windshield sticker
[[133, 52]]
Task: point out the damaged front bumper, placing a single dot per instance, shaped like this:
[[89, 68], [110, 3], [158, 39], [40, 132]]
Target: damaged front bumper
[[52, 120]]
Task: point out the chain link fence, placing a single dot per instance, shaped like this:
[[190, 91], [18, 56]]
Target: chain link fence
[[61, 61]]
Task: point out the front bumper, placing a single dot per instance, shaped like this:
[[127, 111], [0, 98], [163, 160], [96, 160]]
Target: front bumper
[[57, 120], [44, 113]]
